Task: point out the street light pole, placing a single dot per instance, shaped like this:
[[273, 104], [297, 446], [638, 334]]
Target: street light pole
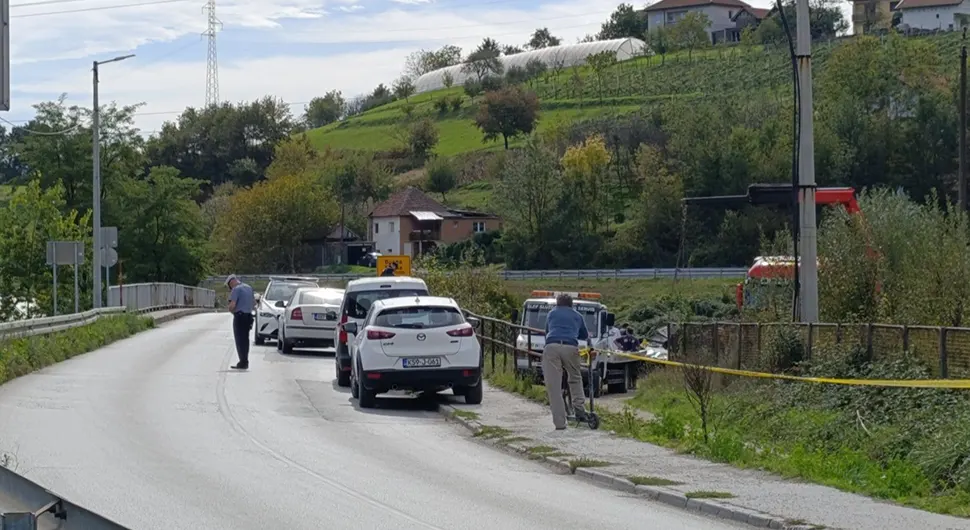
[[96, 185]]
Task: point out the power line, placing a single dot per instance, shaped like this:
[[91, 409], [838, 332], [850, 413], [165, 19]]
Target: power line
[[101, 8]]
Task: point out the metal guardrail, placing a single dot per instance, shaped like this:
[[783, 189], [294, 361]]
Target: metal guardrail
[[572, 274], [45, 325], [140, 296], [50, 510]]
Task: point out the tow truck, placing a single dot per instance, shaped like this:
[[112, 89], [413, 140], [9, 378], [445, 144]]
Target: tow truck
[[618, 374]]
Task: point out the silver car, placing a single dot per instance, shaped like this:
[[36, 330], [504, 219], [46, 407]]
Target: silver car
[[270, 304]]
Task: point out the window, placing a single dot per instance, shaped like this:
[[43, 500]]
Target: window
[[478, 227], [419, 317], [730, 14], [284, 291], [675, 16], [391, 225], [358, 304], [376, 226], [320, 298]]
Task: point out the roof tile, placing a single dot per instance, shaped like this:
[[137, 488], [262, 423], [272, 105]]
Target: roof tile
[[405, 201], [663, 5]]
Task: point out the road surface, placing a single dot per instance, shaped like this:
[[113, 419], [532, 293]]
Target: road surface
[[155, 433]]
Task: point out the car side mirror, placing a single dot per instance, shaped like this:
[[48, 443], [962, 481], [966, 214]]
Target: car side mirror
[[281, 303], [350, 327], [515, 316], [475, 322]]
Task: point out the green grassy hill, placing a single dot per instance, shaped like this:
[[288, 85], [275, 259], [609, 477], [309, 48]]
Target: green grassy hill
[[574, 95]]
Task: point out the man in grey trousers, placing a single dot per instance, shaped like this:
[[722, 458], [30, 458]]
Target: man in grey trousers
[[565, 327], [241, 305]]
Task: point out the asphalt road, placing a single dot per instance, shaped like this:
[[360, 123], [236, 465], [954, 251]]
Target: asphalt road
[[155, 432]]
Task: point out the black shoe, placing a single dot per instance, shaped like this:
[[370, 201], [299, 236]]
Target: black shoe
[[240, 366]]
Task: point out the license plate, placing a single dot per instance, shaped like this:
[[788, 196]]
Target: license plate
[[421, 362], [319, 316]]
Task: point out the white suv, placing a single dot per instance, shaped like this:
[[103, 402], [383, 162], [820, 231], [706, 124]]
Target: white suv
[[270, 305], [359, 295], [417, 343]]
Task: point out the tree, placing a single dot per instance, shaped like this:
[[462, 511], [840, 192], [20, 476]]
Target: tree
[[659, 41], [529, 193], [403, 88], [325, 110], [161, 228], [265, 228], [600, 63], [543, 38], [33, 217], [510, 49], [66, 158], [422, 138], [624, 22], [424, 61], [585, 167], [447, 79], [690, 32], [205, 143], [441, 176], [508, 113], [484, 61], [292, 157]]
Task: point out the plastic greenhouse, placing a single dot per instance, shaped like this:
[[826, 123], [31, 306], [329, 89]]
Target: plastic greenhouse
[[568, 54]]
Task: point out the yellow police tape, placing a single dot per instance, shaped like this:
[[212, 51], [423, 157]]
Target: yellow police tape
[[904, 383]]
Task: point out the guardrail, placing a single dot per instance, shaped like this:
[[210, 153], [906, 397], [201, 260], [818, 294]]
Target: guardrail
[[140, 296], [50, 510], [45, 325], [573, 274]]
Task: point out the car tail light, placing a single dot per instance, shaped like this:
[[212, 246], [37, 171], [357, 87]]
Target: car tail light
[[297, 314], [374, 334], [464, 331], [343, 334]]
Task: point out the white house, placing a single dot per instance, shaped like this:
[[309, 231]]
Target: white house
[[934, 14], [721, 13]]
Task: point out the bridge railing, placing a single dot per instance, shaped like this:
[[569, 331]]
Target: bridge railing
[[141, 296]]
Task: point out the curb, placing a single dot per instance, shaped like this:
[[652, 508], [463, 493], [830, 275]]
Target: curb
[[671, 497]]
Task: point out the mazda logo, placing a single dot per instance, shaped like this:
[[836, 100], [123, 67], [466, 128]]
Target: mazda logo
[[422, 336]]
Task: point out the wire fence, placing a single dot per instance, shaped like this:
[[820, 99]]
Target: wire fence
[[755, 346]]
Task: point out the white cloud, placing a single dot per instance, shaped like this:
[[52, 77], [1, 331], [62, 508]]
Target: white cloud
[[351, 9]]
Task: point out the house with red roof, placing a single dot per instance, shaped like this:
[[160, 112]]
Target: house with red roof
[[410, 223], [728, 17]]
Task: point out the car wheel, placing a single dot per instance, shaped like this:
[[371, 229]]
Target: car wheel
[[286, 345], [343, 378], [474, 394], [259, 340], [354, 387], [365, 398], [279, 345]]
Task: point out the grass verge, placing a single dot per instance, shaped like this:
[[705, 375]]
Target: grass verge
[[586, 462], [22, 356], [653, 481], [709, 495], [901, 445]]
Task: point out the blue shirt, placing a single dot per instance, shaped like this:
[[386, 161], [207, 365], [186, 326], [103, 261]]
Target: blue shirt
[[242, 294], [565, 325]]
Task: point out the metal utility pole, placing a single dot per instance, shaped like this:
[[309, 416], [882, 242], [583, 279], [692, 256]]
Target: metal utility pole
[[96, 186], [962, 181], [808, 241], [212, 61]]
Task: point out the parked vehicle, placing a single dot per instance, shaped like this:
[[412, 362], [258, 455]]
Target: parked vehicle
[[618, 373], [359, 296], [270, 304], [309, 319], [421, 343]]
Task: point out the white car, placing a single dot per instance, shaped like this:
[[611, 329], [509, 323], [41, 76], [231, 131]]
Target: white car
[[309, 319], [358, 297], [421, 343], [271, 303]]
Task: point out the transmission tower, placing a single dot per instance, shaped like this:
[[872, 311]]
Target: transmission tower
[[212, 63]]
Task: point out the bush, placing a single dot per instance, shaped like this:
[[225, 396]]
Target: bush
[[472, 88], [442, 106], [476, 287], [422, 138], [456, 102], [22, 356], [492, 83]]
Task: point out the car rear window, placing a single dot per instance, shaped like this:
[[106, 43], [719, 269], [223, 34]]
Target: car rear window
[[359, 303], [284, 290], [419, 317], [320, 298]]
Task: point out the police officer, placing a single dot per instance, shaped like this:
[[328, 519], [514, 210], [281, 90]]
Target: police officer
[[241, 305]]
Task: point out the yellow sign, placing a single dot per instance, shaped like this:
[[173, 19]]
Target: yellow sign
[[400, 264]]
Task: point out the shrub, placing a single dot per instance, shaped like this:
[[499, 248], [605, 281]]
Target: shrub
[[456, 102], [441, 105], [472, 88]]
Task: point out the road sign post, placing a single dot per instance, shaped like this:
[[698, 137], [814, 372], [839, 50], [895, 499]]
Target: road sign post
[[108, 255], [65, 253]]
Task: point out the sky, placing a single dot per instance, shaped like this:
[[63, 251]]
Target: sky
[[291, 49]]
